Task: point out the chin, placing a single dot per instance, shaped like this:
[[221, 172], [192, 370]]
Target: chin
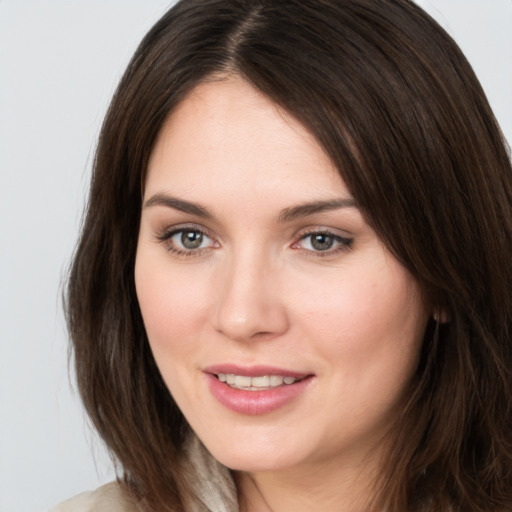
[[252, 457]]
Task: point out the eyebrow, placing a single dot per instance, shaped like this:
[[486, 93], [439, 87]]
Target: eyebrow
[[179, 204], [307, 209], [286, 215]]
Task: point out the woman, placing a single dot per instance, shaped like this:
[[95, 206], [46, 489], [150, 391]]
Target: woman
[[292, 289]]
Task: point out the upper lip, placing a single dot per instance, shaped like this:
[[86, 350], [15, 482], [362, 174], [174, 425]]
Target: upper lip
[[253, 370]]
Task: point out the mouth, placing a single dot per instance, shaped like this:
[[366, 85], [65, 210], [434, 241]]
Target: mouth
[[260, 383], [256, 390]]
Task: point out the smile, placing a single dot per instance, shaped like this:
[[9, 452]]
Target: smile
[[260, 383], [256, 390]]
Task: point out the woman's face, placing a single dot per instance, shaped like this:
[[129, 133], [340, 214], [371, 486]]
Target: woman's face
[[284, 329]]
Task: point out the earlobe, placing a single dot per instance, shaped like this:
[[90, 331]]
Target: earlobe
[[440, 316]]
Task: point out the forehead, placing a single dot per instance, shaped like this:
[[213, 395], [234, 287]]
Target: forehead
[[229, 135]]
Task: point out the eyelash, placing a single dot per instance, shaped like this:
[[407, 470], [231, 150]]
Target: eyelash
[[342, 244], [166, 238]]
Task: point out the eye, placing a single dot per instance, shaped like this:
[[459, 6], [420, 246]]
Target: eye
[[189, 239], [186, 241], [323, 242]]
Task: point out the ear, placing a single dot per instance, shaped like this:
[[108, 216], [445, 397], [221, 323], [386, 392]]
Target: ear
[[440, 315]]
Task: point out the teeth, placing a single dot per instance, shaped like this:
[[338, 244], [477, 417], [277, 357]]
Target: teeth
[[275, 380], [242, 382], [255, 383], [261, 382]]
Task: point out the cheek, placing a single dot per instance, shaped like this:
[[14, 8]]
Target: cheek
[[173, 305], [172, 312], [371, 317]]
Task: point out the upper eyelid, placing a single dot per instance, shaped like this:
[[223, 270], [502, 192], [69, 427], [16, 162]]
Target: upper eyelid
[[169, 231], [345, 239], [166, 235], [336, 236], [311, 230]]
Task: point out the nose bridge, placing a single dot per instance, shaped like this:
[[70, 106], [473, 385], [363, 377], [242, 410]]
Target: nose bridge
[[249, 303]]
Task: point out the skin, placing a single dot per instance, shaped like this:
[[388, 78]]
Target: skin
[[258, 290]]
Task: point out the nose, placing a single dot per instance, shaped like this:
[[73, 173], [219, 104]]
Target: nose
[[250, 305]]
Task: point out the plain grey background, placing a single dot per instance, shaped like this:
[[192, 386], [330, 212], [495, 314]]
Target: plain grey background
[[59, 63]]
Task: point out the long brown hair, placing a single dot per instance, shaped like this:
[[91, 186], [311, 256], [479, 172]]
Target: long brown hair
[[397, 107]]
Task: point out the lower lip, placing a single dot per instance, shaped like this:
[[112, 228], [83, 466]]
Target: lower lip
[[256, 402]]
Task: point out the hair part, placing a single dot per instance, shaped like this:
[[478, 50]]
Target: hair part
[[398, 109]]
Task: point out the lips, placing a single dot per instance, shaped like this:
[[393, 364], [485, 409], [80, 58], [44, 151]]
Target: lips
[[253, 371], [256, 389]]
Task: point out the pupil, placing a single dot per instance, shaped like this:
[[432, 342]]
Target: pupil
[[191, 239], [322, 242]]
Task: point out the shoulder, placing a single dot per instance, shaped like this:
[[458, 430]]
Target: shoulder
[[108, 498]]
